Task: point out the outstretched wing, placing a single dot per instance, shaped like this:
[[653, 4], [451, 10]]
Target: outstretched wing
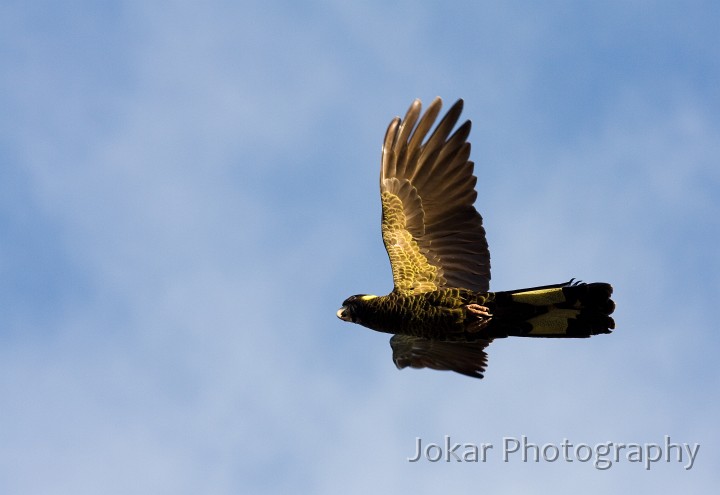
[[468, 358], [431, 230]]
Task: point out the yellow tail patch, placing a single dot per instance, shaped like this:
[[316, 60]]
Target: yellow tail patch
[[542, 297], [553, 323]]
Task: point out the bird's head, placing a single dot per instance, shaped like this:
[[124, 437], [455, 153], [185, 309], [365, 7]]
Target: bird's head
[[352, 307]]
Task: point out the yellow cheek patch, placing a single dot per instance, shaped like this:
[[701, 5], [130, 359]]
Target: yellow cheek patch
[[367, 298], [544, 297]]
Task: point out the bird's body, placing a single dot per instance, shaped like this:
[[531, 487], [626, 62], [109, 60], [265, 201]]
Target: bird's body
[[441, 312], [438, 314], [563, 310]]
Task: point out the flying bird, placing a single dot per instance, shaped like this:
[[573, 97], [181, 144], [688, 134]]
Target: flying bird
[[440, 311]]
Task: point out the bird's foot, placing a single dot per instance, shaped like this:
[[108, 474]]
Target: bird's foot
[[483, 317], [479, 310]]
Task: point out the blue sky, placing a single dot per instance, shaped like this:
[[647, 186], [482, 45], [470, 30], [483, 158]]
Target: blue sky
[[188, 191]]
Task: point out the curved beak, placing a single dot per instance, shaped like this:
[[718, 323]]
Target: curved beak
[[342, 314]]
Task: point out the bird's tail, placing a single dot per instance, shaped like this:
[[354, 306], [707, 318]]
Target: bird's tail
[[563, 310]]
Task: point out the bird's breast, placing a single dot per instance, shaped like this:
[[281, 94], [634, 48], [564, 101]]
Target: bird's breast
[[428, 315]]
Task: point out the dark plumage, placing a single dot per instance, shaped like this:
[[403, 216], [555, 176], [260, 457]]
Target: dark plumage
[[440, 311]]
